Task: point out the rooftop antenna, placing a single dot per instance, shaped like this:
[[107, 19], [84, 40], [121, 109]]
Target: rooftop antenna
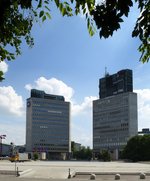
[[106, 73]]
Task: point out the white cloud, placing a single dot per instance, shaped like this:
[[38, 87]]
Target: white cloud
[[84, 108], [10, 102], [81, 124], [52, 86], [143, 108], [3, 67]]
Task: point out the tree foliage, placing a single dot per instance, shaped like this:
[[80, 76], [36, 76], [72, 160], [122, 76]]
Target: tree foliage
[[105, 155], [137, 148], [85, 153], [18, 17]]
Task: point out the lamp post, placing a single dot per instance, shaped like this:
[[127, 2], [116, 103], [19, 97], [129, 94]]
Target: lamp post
[[1, 144]]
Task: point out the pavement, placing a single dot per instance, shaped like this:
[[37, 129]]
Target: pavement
[[59, 170], [102, 178]]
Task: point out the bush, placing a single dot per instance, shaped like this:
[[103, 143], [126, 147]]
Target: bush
[[105, 155], [83, 154], [35, 156]]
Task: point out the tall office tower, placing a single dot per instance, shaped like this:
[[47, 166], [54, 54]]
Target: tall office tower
[[114, 113], [48, 125]]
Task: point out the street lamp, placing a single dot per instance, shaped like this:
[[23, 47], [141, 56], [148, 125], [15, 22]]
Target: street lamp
[[1, 145]]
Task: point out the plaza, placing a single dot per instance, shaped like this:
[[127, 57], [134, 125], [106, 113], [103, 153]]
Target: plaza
[[58, 170]]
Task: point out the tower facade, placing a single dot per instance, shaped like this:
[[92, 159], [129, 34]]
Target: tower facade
[[117, 83], [48, 125], [114, 113]]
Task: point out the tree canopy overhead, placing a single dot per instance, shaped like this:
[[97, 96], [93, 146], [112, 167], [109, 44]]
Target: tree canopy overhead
[[17, 18]]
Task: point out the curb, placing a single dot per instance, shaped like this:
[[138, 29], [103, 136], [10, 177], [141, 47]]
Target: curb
[[109, 173], [24, 172], [7, 172]]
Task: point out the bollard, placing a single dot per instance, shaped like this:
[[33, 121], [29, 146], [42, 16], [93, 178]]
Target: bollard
[[69, 175], [92, 177], [117, 176], [142, 176], [17, 173]]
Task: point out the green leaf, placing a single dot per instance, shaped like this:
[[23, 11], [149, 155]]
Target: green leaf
[[46, 2], [41, 14], [48, 15], [88, 23], [40, 4], [1, 76], [84, 10], [120, 20], [47, 8], [57, 3], [69, 9], [8, 58], [61, 7], [76, 11], [63, 11], [86, 15], [43, 18]]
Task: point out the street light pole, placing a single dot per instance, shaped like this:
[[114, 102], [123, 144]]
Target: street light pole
[[1, 144]]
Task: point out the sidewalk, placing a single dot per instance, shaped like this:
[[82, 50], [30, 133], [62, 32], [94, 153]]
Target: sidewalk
[[102, 178]]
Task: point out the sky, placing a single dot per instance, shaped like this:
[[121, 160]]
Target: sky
[[66, 61]]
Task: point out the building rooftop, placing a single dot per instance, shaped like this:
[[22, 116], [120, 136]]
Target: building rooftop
[[117, 83]]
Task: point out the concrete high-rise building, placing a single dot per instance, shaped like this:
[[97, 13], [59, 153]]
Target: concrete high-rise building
[[114, 113], [48, 125]]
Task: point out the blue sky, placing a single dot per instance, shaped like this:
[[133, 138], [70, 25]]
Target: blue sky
[[65, 60]]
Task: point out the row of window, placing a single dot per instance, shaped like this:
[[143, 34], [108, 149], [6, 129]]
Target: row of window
[[46, 149], [109, 126], [49, 117], [111, 101], [52, 131], [50, 105], [110, 139], [43, 109], [109, 122], [51, 124], [50, 137], [112, 130], [109, 111], [98, 145], [53, 145]]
